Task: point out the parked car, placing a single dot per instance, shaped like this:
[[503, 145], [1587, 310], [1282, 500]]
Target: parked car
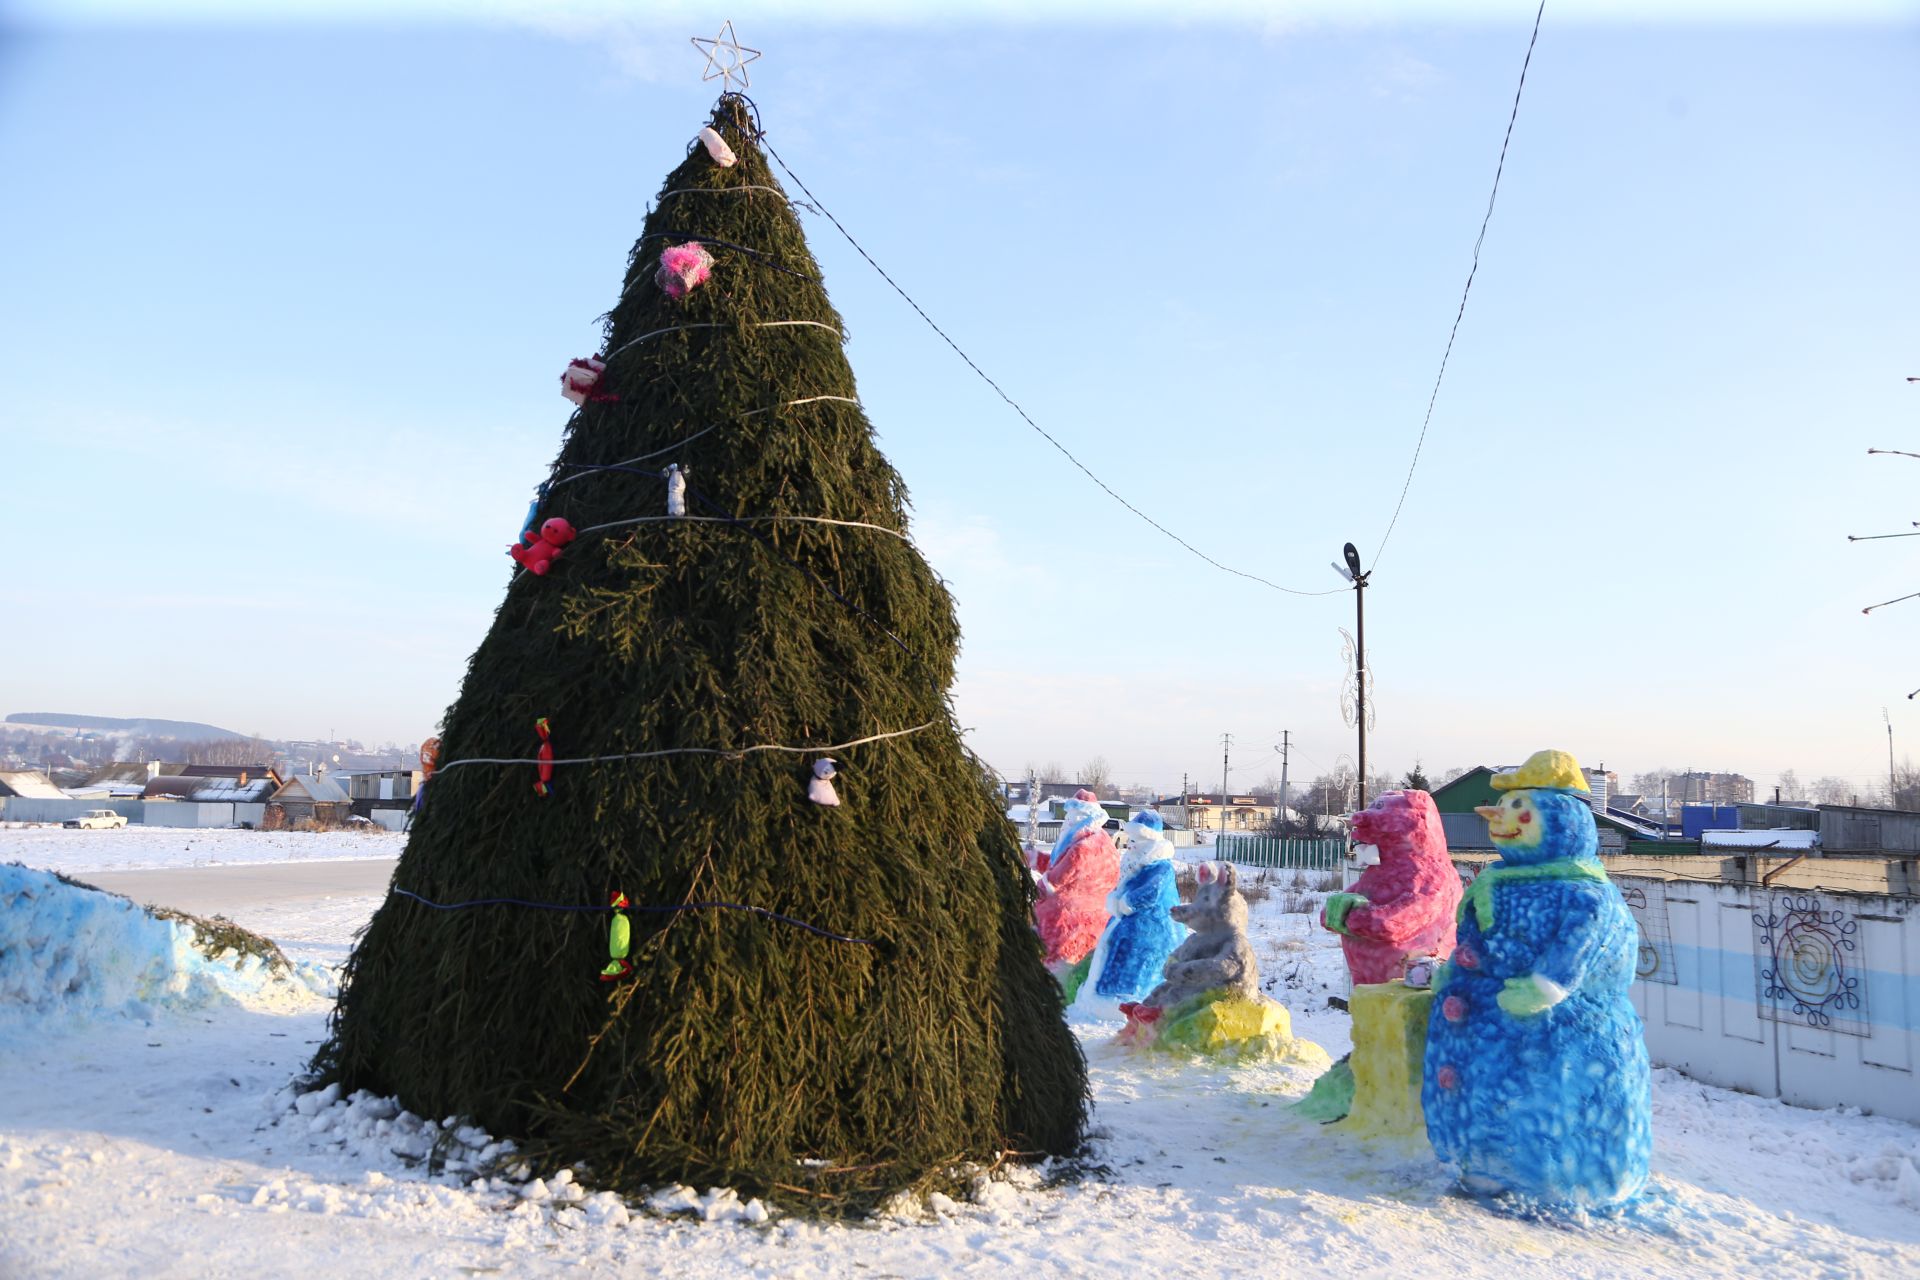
[[96, 819]]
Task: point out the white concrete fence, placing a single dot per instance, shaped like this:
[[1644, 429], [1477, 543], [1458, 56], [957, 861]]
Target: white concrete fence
[[1791, 978], [1807, 995]]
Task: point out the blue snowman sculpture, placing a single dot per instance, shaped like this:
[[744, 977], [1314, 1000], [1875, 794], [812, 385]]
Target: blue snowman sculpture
[[1536, 1080]]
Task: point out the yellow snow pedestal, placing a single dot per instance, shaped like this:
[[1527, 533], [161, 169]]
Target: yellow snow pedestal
[[1236, 1029], [1389, 1044]]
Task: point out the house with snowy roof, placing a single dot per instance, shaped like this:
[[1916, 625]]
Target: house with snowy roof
[[29, 785], [314, 798]]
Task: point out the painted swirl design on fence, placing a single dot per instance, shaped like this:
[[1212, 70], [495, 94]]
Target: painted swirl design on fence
[[1806, 968]]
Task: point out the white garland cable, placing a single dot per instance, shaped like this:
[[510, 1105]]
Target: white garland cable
[[745, 186], [738, 753], [849, 524], [760, 324], [695, 436]]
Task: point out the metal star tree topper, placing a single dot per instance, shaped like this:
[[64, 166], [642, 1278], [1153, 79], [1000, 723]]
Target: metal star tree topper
[[726, 58]]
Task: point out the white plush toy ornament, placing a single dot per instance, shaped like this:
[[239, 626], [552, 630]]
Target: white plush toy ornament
[[676, 491], [717, 148], [820, 787]]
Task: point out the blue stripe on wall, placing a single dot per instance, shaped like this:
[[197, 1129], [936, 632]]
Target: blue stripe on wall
[[1889, 1000]]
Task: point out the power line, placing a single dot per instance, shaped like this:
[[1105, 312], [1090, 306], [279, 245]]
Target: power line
[[1014, 404], [1471, 272]]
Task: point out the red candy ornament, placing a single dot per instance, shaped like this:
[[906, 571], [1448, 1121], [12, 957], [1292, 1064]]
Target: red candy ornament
[[545, 756]]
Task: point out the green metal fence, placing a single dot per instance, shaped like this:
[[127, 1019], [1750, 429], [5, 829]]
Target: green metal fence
[[1269, 851]]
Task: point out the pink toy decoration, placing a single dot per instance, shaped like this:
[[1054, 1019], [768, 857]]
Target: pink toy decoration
[[1404, 907], [541, 549], [683, 267], [717, 148], [1083, 869], [581, 378]]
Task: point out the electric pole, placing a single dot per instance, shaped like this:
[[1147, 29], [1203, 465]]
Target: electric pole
[[1186, 808], [1353, 574], [1033, 808], [1226, 748], [1889, 720], [1285, 743]]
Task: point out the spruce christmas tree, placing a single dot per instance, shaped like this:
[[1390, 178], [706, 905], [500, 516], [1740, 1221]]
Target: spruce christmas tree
[[912, 1027]]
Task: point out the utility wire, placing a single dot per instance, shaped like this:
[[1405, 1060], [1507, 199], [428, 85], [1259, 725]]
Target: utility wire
[[730, 753], [1471, 272], [1014, 405], [602, 909]]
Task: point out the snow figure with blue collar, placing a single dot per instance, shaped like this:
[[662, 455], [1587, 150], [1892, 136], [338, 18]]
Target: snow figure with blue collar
[[1141, 931], [1536, 1080], [1081, 872]]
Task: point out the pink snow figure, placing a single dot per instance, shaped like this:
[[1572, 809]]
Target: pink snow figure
[[1082, 871], [581, 377], [1405, 905], [682, 266]]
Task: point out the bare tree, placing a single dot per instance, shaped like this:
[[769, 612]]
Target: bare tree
[[1832, 790], [229, 751], [1788, 786], [1905, 784], [1656, 783], [1330, 795], [1096, 775]]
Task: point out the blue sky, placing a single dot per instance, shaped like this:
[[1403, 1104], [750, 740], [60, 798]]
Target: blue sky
[[282, 305]]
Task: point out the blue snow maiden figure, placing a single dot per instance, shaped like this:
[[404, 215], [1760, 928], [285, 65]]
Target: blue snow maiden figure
[[1536, 1080], [1141, 931]]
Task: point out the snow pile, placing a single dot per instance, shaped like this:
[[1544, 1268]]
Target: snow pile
[[370, 1128], [68, 953], [460, 1161]]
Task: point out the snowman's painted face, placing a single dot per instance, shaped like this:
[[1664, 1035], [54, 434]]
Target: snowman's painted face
[[1515, 823]]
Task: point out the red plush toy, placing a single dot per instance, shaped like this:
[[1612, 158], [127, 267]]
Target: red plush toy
[[542, 548]]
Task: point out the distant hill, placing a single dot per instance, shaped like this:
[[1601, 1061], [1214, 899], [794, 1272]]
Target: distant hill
[[182, 730]]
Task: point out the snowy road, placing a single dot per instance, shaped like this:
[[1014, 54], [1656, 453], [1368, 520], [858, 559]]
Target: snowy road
[[233, 890]]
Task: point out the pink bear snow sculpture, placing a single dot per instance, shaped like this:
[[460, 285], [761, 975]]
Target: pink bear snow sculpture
[[1082, 871], [1405, 905]]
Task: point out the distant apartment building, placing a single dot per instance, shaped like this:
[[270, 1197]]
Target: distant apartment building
[[1710, 788]]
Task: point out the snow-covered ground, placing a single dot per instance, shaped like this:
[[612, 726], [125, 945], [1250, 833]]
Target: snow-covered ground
[[78, 852], [170, 1147]]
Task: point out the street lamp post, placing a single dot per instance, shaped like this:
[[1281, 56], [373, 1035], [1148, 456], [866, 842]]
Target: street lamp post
[[1353, 574]]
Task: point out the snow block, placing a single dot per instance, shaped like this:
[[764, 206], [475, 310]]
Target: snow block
[[1225, 1025], [1331, 1097], [1536, 1081], [69, 952], [1389, 1046]]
